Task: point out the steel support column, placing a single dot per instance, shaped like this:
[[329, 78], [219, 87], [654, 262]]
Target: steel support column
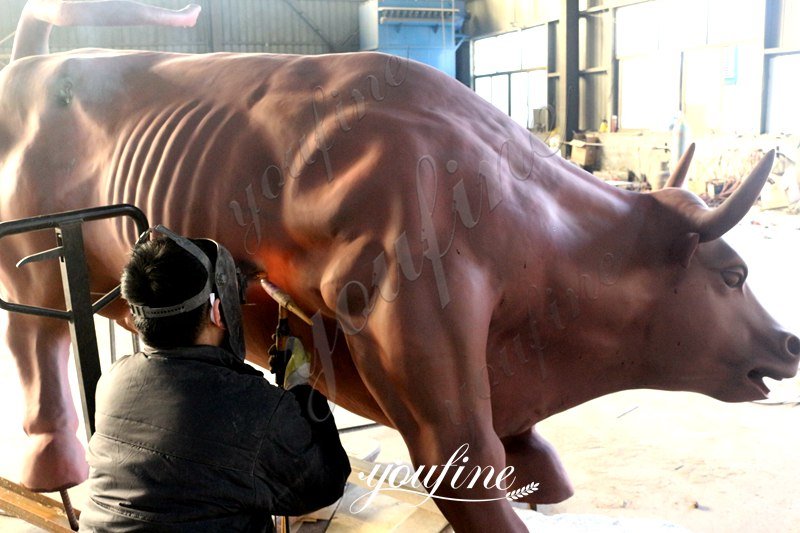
[[568, 96]]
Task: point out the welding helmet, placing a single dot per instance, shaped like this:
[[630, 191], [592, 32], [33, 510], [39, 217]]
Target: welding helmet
[[223, 280]]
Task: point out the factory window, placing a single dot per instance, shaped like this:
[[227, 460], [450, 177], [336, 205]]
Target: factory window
[[528, 93], [783, 111], [682, 24], [701, 57], [482, 54], [790, 19], [500, 92], [649, 71], [497, 54], [533, 42], [649, 91], [732, 22], [483, 86], [637, 29], [783, 106], [494, 89], [722, 89], [510, 71]]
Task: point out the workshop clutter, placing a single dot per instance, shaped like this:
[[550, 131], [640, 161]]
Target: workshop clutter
[[640, 160]]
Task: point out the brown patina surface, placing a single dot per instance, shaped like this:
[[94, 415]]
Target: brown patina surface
[[480, 283]]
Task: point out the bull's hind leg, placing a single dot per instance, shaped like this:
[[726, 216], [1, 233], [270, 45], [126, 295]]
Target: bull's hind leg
[[533, 458], [55, 458]]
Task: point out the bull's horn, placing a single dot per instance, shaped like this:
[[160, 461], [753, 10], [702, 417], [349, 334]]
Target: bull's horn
[[715, 223], [679, 174]]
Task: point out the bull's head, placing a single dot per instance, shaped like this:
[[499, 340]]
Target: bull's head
[[711, 335]]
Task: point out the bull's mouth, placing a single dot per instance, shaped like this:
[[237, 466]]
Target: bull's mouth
[[757, 375]]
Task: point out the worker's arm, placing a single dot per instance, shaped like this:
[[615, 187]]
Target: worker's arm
[[302, 465]]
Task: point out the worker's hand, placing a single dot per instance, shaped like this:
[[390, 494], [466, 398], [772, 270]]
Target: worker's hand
[[277, 363], [298, 369]]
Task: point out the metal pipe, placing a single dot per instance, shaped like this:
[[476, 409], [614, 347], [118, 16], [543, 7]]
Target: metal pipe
[[283, 299], [69, 510]]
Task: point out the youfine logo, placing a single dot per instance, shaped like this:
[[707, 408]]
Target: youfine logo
[[386, 478]]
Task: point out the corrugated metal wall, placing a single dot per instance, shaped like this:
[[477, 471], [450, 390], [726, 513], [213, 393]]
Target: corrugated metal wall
[[318, 26], [275, 26]]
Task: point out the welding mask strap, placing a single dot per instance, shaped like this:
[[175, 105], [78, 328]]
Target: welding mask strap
[[187, 305], [187, 245]]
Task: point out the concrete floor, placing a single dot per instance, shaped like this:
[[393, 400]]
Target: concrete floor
[[683, 458]]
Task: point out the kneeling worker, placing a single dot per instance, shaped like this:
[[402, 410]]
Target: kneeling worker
[[189, 437]]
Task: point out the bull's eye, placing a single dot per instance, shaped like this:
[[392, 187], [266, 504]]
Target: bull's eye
[[734, 278]]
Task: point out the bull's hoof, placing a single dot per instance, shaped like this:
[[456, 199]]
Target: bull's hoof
[[536, 461], [54, 461]]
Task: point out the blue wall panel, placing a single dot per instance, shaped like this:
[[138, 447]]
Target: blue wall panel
[[423, 30]]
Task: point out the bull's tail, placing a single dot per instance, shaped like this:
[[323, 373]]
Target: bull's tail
[[39, 16]]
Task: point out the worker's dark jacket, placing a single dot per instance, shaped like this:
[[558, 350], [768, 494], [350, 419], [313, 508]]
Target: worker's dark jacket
[[194, 440]]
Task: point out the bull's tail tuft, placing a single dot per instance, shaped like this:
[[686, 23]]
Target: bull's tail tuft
[[39, 16]]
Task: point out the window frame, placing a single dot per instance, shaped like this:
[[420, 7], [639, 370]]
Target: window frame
[[508, 74]]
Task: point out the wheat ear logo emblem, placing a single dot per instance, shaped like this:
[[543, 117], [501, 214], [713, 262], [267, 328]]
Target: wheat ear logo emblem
[[521, 492]]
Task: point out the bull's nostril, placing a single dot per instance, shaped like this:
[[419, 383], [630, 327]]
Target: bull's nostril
[[793, 345]]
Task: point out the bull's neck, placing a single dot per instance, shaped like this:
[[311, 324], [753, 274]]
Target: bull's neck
[[590, 309]]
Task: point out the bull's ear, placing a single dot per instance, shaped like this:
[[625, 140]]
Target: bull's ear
[[684, 247]]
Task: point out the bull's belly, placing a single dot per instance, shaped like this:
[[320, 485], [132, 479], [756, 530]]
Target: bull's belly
[[515, 377], [518, 388]]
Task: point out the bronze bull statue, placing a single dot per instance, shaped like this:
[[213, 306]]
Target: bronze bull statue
[[467, 283]]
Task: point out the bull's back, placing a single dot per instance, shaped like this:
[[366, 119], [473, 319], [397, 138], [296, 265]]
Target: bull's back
[[286, 159]]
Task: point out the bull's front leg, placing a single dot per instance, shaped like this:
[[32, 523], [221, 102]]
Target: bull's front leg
[[55, 458], [426, 366]]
